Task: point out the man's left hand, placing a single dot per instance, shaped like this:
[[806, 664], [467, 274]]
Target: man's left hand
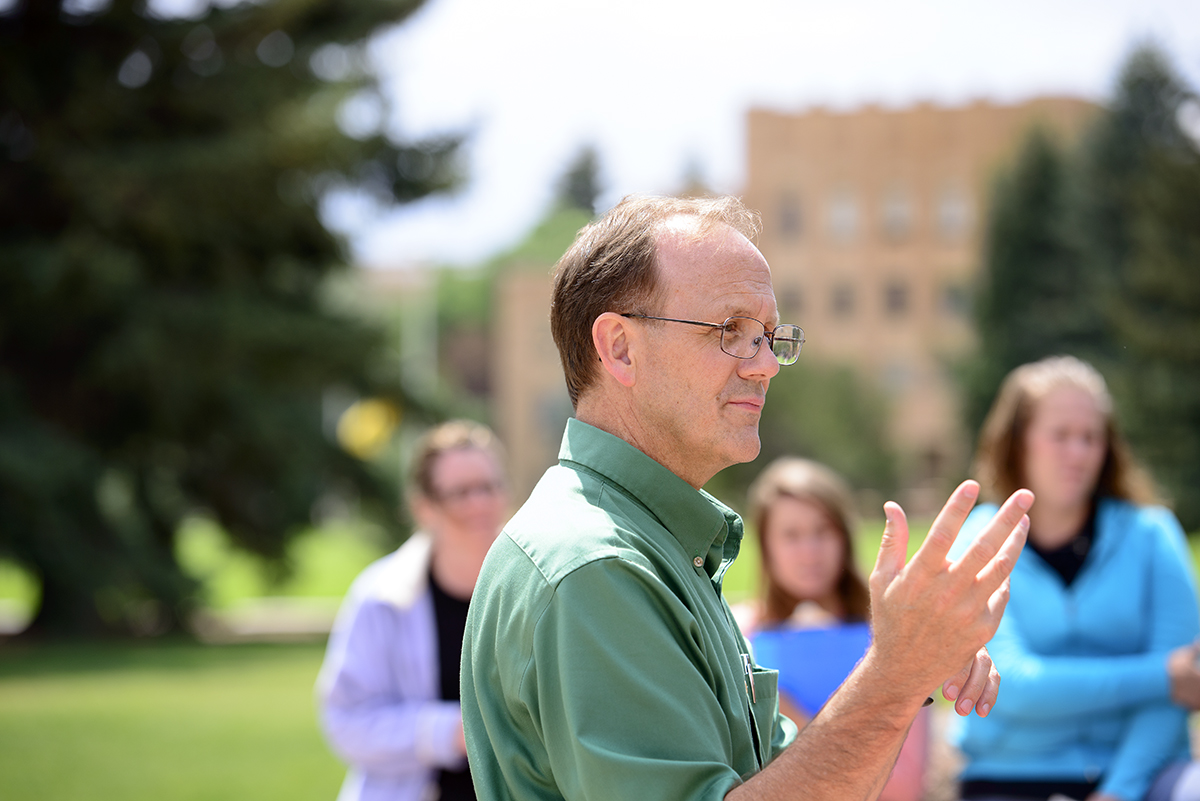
[[975, 686]]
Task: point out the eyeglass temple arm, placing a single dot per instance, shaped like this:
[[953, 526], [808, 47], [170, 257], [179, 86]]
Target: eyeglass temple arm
[[673, 320]]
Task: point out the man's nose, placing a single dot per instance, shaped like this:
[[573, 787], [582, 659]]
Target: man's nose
[[763, 364]]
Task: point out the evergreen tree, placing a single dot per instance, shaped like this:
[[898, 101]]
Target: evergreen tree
[[1096, 255], [579, 186], [164, 340], [1136, 190], [1156, 322], [1032, 297], [1116, 155]]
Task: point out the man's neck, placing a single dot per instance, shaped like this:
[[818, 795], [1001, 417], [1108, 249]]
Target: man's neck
[[614, 417]]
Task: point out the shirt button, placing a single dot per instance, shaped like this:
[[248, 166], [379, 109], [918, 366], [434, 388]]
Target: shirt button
[[698, 562]]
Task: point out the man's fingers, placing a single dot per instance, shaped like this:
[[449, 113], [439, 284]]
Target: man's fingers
[[893, 548], [953, 685], [975, 686], [971, 692], [997, 533], [945, 527], [997, 571]]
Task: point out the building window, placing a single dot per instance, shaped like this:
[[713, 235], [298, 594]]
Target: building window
[[791, 302], [843, 216], [953, 213], [955, 301], [896, 214], [842, 300], [895, 298], [788, 218]]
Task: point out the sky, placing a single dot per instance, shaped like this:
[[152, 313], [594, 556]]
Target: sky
[[661, 89]]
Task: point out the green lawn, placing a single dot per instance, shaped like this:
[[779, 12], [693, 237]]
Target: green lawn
[[165, 721], [181, 721]]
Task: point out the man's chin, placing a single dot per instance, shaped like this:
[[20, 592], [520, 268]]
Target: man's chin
[[749, 450]]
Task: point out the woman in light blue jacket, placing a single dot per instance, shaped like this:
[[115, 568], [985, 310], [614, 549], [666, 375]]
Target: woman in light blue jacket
[[1096, 646]]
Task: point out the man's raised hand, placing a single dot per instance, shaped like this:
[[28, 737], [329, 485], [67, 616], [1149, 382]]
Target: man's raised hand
[[932, 616]]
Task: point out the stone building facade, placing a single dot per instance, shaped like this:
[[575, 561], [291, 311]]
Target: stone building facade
[[873, 223]]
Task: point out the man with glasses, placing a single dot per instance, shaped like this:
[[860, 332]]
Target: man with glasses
[[601, 661], [389, 688]]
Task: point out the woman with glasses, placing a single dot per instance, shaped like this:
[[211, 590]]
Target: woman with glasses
[[389, 691], [812, 622], [1095, 648]]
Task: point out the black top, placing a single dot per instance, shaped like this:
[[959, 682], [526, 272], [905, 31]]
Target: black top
[[1067, 560], [450, 618], [1042, 790]]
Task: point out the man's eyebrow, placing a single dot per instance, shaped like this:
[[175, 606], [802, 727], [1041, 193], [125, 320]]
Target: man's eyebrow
[[770, 324]]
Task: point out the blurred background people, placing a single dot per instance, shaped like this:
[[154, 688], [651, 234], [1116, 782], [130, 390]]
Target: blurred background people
[[388, 689], [812, 620], [1095, 648]]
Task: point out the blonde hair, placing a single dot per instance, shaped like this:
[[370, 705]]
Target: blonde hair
[[449, 436], [999, 463], [805, 480]]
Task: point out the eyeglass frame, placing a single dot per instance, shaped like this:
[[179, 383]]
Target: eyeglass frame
[[769, 335], [456, 496]]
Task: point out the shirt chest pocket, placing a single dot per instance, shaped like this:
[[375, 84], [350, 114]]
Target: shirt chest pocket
[[764, 703]]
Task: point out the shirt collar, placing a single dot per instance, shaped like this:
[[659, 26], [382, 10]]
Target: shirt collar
[[704, 526]]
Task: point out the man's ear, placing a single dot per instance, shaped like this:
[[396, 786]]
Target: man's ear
[[615, 340]]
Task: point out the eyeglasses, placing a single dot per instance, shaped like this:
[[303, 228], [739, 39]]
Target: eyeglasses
[[741, 337], [459, 495]]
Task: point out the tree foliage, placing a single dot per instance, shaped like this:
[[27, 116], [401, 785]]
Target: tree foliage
[[1096, 253], [1029, 300], [164, 344], [580, 186], [1156, 323]]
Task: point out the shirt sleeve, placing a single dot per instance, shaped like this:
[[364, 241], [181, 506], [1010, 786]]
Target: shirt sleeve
[[623, 687], [367, 718], [1157, 732]]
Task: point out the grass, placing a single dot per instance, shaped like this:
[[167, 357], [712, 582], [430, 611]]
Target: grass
[[174, 720], [188, 722]]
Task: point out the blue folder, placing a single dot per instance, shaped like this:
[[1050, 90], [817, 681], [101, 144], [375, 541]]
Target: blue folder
[[812, 662]]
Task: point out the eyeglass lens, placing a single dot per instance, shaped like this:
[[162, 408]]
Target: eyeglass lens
[[457, 495], [742, 337]]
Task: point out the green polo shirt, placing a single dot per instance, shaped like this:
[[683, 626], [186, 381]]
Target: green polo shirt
[[600, 659]]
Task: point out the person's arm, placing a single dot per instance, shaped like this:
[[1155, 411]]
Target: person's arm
[[1037, 687], [930, 616], [369, 721], [1158, 731]]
